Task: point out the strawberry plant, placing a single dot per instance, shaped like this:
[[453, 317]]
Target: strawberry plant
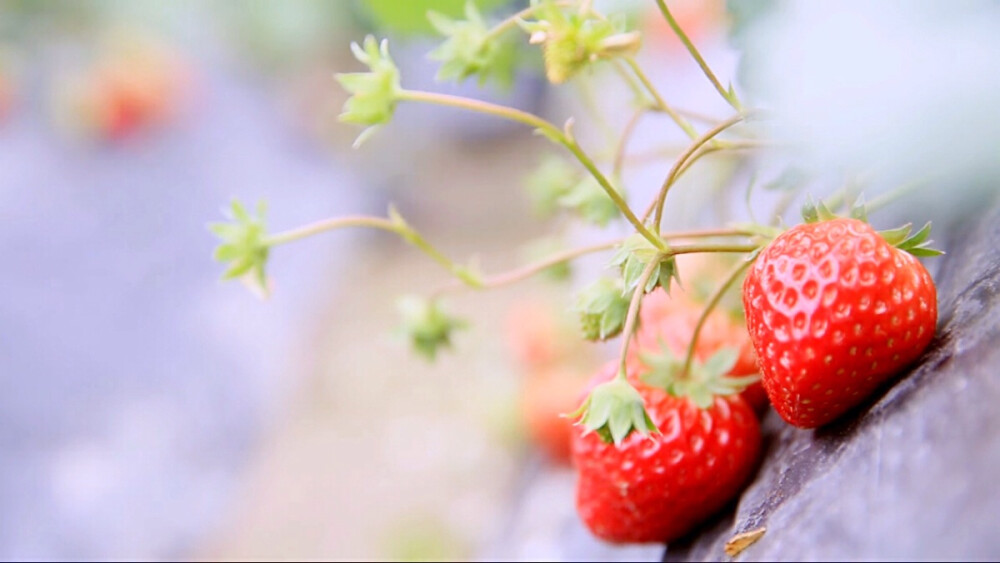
[[666, 434]]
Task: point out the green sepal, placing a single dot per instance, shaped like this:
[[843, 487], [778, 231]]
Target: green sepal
[[550, 181], [859, 210], [468, 49], [634, 255], [602, 309], [589, 200], [244, 245], [917, 244], [813, 212], [373, 93], [427, 325], [614, 410], [572, 41], [703, 383]]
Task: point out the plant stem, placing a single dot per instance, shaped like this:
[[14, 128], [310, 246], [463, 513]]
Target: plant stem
[[712, 303], [728, 96], [550, 131], [512, 21], [619, 162], [612, 192], [633, 311], [330, 225], [398, 227], [675, 171], [488, 108], [717, 248], [660, 102], [881, 201]]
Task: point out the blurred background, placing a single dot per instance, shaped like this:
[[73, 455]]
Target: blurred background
[[151, 411]]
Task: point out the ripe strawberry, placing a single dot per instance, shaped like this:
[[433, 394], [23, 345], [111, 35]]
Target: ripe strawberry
[[658, 488], [669, 320], [834, 310]]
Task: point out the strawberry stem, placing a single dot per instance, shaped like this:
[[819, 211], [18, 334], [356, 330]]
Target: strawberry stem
[[675, 172], [394, 225], [633, 310], [713, 301], [547, 129], [661, 104], [729, 95]]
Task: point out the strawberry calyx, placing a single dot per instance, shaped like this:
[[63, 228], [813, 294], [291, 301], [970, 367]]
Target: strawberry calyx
[[244, 243], [427, 325], [701, 382], [614, 410], [602, 309], [917, 244], [635, 254]]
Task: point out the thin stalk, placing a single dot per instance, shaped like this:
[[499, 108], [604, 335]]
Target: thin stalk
[[660, 102], [729, 97], [718, 248], [330, 225], [398, 227], [712, 303], [548, 129], [512, 21], [626, 136], [633, 312], [675, 171], [881, 201]]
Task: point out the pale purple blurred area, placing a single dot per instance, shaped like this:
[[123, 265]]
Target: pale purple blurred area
[[134, 381]]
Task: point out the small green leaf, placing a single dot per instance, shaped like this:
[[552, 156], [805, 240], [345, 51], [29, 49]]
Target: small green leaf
[[602, 309], [373, 93], [427, 326], [551, 180], [634, 255], [589, 200], [470, 50], [571, 41], [917, 244], [722, 361], [614, 410], [244, 245]]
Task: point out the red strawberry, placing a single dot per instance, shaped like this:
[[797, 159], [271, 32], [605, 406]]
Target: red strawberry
[[669, 320], [658, 488], [834, 310]]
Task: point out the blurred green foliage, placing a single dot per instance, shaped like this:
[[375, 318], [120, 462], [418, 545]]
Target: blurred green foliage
[[410, 16]]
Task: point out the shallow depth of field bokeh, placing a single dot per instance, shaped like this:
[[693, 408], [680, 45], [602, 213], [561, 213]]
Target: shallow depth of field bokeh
[[152, 411]]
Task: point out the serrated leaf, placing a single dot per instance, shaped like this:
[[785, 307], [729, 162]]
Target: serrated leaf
[[897, 235], [859, 210], [614, 410], [722, 361]]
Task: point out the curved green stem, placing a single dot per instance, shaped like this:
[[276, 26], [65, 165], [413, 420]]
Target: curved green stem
[[397, 226], [626, 136], [712, 303], [547, 129], [679, 164], [715, 248], [633, 311], [512, 21], [661, 104], [318, 227], [727, 95]]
